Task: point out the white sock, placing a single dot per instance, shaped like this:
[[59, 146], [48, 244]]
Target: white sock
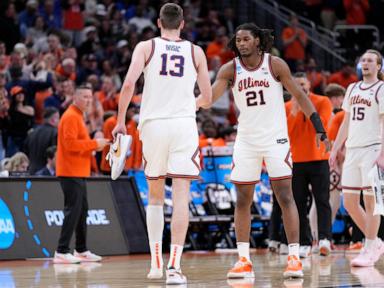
[[369, 243], [155, 226], [243, 250], [293, 249], [175, 256]]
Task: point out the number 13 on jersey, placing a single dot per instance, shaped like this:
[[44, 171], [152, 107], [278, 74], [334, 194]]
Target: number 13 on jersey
[[178, 63]]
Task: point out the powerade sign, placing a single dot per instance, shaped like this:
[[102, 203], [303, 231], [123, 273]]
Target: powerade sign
[[95, 217], [7, 226]]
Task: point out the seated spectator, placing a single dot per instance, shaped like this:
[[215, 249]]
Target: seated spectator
[[210, 135], [67, 69], [219, 47], [4, 121], [41, 138], [108, 96], [50, 167], [345, 76], [20, 121], [17, 164]]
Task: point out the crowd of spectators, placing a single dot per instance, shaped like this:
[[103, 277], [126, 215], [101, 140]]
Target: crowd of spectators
[[48, 47]]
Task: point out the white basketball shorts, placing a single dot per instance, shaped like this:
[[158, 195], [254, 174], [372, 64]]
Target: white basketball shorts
[[358, 162], [170, 148], [248, 161]]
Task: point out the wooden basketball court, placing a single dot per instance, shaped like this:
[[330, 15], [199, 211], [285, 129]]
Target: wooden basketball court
[[202, 269]]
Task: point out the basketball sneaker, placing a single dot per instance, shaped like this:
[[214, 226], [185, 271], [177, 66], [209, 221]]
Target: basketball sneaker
[[87, 256], [155, 273], [242, 269], [65, 258], [273, 246], [369, 256], [118, 152], [175, 277], [325, 247], [294, 268], [305, 251]]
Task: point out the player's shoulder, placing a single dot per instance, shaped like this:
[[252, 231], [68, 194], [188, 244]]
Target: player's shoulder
[[227, 70]]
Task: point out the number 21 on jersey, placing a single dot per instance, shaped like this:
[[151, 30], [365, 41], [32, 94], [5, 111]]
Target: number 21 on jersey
[[253, 100]]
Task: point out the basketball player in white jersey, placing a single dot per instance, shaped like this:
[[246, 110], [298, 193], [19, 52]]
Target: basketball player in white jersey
[[168, 129], [362, 133], [257, 79]]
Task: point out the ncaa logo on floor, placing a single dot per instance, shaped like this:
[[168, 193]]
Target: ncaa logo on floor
[[7, 227]]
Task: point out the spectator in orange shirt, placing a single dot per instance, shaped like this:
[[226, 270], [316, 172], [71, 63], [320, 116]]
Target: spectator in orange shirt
[[210, 135], [73, 165], [345, 76], [315, 77], [219, 47], [356, 11], [67, 69], [294, 41], [108, 96], [135, 158], [335, 93], [310, 167]]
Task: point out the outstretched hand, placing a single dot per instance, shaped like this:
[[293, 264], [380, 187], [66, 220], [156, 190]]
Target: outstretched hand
[[119, 128]]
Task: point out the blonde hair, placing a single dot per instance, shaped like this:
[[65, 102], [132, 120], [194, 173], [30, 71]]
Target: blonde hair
[[15, 161], [380, 74]]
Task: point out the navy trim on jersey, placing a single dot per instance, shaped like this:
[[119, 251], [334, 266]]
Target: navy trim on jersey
[[253, 69], [369, 86]]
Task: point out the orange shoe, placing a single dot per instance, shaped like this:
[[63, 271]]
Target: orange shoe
[[355, 247], [294, 268], [242, 269]]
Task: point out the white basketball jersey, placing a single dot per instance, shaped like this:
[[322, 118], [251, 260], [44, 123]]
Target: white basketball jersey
[[364, 103], [259, 97], [169, 80]]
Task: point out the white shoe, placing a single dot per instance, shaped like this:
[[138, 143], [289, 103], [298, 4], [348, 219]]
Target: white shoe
[[283, 250], [273, 246], [117, 154], [305, 251], [65, 258], [325, 247], [88, 256], [175, 277], [155, 273]]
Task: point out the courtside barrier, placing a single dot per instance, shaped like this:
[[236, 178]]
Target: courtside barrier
[[31, 215]]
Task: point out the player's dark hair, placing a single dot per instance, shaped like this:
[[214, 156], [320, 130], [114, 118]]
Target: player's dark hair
[[171, 16], [265, 36], [380, 74]]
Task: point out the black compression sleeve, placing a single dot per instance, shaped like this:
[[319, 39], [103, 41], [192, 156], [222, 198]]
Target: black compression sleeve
[[318, 125]]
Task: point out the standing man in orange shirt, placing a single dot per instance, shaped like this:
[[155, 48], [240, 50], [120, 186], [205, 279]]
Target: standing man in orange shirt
[[310, 166], [73, 165], [295, 42]]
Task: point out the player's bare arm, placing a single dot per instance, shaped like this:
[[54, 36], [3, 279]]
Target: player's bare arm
[[140, 55], [224, 80], [341, 137], [204, 100], [283, 73]]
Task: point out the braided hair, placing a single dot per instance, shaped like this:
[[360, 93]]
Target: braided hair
[[265, 36]]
